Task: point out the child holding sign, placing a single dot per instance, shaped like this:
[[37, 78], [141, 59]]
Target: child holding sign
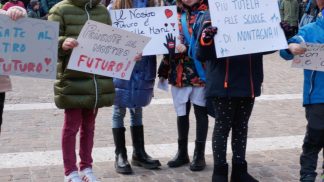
[[14, 13], [133, 94], [188, 86], [79, 94], [232, 85], [313, 96]]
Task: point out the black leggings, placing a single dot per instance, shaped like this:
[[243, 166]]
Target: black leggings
[[231, 113]]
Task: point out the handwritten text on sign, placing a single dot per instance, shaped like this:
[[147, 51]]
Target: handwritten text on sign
[[28, 47], [313, 59], [106, 51], [155, 22], [246, 26]]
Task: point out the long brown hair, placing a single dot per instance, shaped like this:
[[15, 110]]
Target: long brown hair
[[126, 4]]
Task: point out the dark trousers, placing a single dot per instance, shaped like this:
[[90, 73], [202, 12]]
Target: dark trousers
[[313, 141], [2, 100], [231, 113]]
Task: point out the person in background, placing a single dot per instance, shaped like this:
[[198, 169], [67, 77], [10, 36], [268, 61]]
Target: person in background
[[14, 12], [34, 9], [79, 94], [46, 5], [289, 12]]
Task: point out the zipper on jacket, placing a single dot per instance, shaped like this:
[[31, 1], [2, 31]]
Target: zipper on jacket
[[251, 77], [94, 76], [226, 73], [312, 82], [96, 88]]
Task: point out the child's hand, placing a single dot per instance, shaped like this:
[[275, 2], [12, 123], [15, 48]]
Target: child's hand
[[138, 57], [181, 48], [16, 12], [296, 49], [69, 43], [208, 33], [181, 38]]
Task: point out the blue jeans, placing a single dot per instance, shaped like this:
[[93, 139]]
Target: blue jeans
[[119, 113]]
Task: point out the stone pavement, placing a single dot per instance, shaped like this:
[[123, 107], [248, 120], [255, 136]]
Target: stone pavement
[[32, 131]]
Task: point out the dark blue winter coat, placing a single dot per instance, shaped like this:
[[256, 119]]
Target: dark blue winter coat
[[236, 76], [138, 91]]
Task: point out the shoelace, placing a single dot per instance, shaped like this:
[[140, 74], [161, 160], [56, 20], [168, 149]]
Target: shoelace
[[74, 177], [89, 177]]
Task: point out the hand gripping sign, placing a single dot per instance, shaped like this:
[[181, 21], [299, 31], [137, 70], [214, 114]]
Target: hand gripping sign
[[106, 51]]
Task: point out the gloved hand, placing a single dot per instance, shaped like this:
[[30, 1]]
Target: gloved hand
[[208, 33], [288, 30], [170, 44]]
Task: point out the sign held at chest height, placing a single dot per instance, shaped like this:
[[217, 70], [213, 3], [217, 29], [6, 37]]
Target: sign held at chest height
[[154, 22], [106, 51], [312, 59], [246, 26], [28, 47]]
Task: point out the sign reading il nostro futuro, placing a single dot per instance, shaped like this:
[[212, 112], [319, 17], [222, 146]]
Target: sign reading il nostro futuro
[[246, 26], [106, 51], [312, 59], [154, 22], [28, 47]]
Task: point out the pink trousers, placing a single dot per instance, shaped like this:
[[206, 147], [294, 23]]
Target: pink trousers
[[75, 120]]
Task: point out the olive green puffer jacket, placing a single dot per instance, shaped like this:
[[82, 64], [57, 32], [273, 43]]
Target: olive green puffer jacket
[[74, 89]]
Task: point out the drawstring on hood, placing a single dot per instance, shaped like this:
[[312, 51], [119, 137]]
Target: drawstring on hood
[[90, 5]]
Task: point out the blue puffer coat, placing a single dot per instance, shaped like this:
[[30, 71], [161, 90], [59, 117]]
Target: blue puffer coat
[[313, 80], [138, 91]]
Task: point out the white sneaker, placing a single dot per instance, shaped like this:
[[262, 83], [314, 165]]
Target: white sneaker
[[87, 175], [73, 177]]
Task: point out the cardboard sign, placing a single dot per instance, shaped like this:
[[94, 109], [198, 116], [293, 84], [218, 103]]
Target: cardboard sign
[[155, 22], [246, 26], [313, 59], [28, 47], [106, 51]]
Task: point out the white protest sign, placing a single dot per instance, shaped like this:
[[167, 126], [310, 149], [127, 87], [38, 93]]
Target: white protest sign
[[246, 26], [313, 59], [28, 47], [154, 22], [106, 51]]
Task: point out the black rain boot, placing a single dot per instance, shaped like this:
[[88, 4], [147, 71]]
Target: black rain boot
[[122, 166], [240, 173], [198, 163], [220, 173], [182, 156], [140, 157]]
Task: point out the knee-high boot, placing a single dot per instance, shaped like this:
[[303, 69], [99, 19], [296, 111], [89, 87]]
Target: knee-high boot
[[121, 164], [182, 156], [140, 157], [198, 163]]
